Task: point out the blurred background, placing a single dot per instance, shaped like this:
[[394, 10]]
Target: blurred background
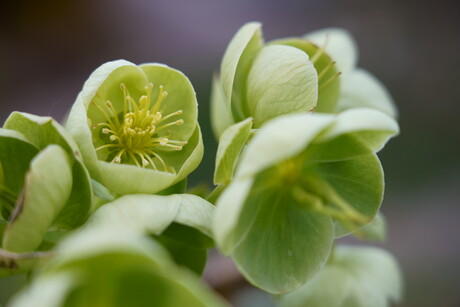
[[48, 49]]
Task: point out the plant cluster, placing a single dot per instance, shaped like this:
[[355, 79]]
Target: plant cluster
[[98, 211]]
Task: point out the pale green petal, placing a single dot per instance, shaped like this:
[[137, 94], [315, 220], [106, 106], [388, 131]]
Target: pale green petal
[[281, 139], [356, 277], [181, 96], [340, 45], [104, 80], [138, 213], [285, 244], [43, 131], [46, 190], [361, 89], [228, 213], [192, 153], [221, 114], [130, 179], [372, 128], [195, 212], [328, 74], [15, 156], [235, 66], [281, 80], [358, 181], [230, 146]]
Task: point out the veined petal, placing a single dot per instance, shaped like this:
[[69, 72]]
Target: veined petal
[[340, 46]]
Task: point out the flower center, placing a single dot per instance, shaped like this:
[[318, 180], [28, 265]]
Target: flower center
[[134, 134]]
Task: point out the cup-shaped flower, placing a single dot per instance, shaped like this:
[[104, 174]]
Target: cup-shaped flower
[[114, 268], [264, 81], [355, 276], [44, 188], [303, 180], [136, 127]]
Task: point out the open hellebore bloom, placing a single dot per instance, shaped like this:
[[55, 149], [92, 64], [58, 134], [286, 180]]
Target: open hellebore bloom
[[355, 276], [114, 268], [44, 189], [136, 127], [264, 81], [303, 180]]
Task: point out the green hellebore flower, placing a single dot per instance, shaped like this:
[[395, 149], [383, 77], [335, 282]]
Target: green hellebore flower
[[44, 188], [303, 180], [114, 268], [264, 81], [355, 276], [136, 127]]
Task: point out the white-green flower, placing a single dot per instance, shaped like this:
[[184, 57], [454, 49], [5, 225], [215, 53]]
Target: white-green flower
[[354, 276], [136, 127], [44, 188], [265, 80], [303, 180]]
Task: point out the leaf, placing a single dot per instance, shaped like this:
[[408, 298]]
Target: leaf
[[221, 114], [230, 146], [46, 190], [357, 276], [328, 78], [281, 80], [362, 90], [235, 66], [340, 45]]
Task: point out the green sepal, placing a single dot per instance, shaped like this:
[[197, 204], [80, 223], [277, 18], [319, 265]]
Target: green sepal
[[235, 66], [182, 222], [328, 73], [356, 276], [46, 190], [43, 131], [281, 80], [221, 114], [231, 144]]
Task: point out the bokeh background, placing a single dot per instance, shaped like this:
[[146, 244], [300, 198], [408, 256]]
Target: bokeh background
[[48, 48]]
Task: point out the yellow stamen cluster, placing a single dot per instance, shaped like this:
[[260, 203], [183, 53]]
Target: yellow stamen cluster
[[135, 136]]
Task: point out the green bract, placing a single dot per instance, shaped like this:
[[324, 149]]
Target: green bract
[[136, 127], [44, 188], [264, 81], [355, 277], [303, 180], [107, 267]]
